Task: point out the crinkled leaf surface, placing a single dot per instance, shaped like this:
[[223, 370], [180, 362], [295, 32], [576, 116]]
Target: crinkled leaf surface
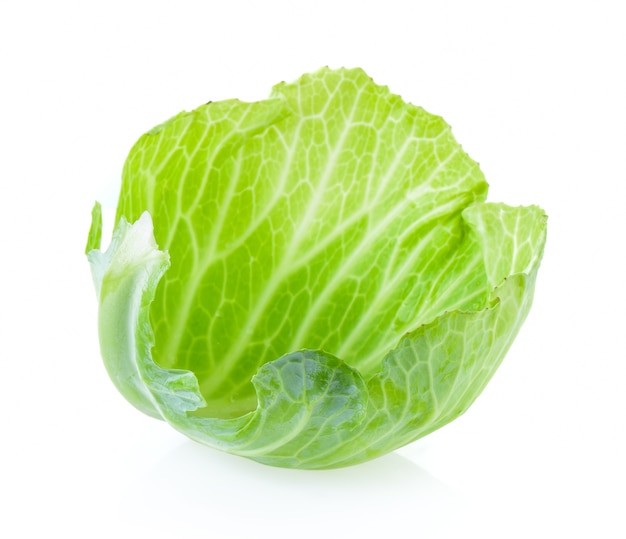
[[311, 280]]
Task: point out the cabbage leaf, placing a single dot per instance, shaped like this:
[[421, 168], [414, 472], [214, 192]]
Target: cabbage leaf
[[311, 280]]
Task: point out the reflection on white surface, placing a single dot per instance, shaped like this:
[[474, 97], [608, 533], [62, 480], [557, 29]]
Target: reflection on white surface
[[192, 487]]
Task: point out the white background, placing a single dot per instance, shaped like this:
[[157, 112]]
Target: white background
[[535, 91]]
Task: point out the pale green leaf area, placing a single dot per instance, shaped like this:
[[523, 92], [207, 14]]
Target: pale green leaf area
[[311, 280]]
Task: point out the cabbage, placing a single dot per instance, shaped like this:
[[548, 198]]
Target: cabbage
[[312, 280]]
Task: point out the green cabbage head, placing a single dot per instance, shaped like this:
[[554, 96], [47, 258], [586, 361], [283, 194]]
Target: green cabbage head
[[312, 280]]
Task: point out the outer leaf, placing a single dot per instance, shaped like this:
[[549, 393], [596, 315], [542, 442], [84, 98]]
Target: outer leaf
[[306, 395], [331, 221], [314, 411]]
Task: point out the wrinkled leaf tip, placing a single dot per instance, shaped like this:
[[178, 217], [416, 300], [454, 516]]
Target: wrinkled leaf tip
[[139, 243], [94, 238]]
